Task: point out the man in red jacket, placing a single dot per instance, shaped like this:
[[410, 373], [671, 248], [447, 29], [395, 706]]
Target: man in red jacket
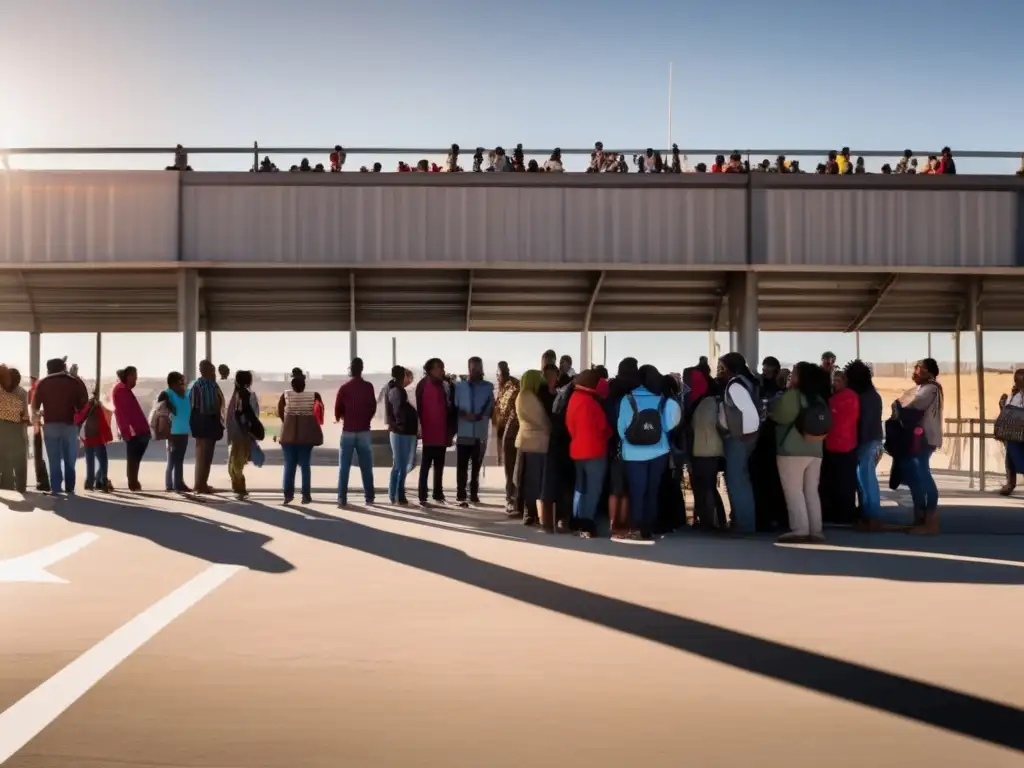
[[355, 406]]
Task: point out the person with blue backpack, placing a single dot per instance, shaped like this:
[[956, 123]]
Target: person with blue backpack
[[645, 417]]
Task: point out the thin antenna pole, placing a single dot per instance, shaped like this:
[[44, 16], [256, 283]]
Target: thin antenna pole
[[670, 106]]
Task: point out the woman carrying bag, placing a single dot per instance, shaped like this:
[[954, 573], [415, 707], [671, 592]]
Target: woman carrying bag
[[1009, 428]]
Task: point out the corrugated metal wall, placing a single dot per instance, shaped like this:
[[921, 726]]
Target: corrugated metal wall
[[885, 228], [88, 216], [369, 226]]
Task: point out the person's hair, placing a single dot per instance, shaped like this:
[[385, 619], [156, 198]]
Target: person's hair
[[549, 356], [588, 379], [6, 379], [930, 365], [773, 361], [56, 365], [205, 366], [431, 364], [736, 364], [296, 371], [1016, 373], [627, 367], [828, 355], [124, 373], [173, 377], [532, 381], [565, 359], [243, 379], [398, 373], [810, 378], [299, 383], [474, 360], [858, 376], [503, 368], [356, 368], [670, 385], [650, 377], [602, 372]]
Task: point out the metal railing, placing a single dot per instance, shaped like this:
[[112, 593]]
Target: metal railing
[[977, 437]]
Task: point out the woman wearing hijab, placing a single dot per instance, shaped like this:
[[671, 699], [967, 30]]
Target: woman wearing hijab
[[532, 445]]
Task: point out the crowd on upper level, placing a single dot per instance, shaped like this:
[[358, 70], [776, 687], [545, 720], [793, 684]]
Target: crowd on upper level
[[837, 163]]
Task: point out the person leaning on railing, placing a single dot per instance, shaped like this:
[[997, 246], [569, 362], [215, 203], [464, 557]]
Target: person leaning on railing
[[1009, 428]]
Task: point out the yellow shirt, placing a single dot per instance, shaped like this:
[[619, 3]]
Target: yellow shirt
[[844, 164]]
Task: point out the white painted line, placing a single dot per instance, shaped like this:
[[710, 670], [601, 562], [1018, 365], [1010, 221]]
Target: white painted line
[[32, 567], [25, 719], [908, 553]]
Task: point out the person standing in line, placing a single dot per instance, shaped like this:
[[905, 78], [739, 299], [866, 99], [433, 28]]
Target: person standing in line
[[532, 444], [300, 433], [506, 426], [38, 450], [403, 424], [645, 418], [438, 424], [13, 440], [60, 396], [355, 406], [131, 423], [94, 427], [1014, 449], [589, 432], [206, 421], [739, 421], [706, 452], [243, 410], [177, 442], [838, 484], [474, 401], [925, 419], [869, 441], [627, 378]]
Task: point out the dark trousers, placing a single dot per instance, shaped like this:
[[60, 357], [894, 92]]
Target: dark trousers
[[42, 476], [204, 460], [1011, 472], [174, 475], [838, 486], [508, 459], [468, 458], [432, 456], [706, 499], [644, 484], [134, 450]]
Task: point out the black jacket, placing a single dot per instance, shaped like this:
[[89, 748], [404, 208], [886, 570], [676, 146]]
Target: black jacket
[[401, 415], [869, 427]]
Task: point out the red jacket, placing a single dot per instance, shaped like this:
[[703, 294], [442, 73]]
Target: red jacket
[[588, 425], [104, 434], [355, 405], [845, 407], [131, 420]]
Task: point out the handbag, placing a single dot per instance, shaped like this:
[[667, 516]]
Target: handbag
[[1009, 426]]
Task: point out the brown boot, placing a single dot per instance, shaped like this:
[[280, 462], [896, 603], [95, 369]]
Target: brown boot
[[547, 516], [1006, 490], [930, 526]]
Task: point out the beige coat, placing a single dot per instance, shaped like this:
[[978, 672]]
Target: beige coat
[[534, 424]]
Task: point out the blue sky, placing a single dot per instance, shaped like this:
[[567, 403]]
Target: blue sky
[[786, 74]]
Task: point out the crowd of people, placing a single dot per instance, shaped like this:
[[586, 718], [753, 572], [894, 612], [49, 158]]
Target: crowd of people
[[797, 449], [838, 163]]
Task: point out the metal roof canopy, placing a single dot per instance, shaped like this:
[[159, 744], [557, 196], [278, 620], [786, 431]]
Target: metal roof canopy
[[72, 300]]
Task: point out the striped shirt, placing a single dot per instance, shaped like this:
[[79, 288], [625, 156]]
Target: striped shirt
[[298, 403]]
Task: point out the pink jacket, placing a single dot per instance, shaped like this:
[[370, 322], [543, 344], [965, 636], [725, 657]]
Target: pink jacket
[[131, 420]]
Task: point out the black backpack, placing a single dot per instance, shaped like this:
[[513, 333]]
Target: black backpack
[[814, 420], [645, 427]]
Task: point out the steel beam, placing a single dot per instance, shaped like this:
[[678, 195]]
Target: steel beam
[[353, 343], [974, 310], [584, 362], [862, 318]]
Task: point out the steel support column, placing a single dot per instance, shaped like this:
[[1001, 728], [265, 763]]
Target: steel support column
[[99, 363], [353, 342], [743, 317], [584, 362], [188, 319], [209, 344], [469, 302], [974, 310], [34, 354]]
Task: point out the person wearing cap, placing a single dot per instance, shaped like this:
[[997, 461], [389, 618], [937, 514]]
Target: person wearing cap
[[59, 397]]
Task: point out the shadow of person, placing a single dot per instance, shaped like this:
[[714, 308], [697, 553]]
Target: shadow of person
[[923, 702], [187, 533]]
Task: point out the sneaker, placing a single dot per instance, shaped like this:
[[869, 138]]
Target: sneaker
[[792, 538], [403, 502], [307, 499], [288, 500], [342, 503], [440, 499]]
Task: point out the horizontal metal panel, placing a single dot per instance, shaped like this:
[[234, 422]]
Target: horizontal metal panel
[[410, 225], [886, 228], [88, 216]]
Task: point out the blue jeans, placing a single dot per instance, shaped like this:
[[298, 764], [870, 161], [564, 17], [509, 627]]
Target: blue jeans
[[361, 444], [923, 490], [1015, 452], [403, 451], [61, 441], [738, 484], [96, 467], [174, 473], [867, 480], [644, 478], [589, 482], [296, 457]]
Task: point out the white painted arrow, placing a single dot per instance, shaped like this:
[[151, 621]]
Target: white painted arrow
[[32, 567]]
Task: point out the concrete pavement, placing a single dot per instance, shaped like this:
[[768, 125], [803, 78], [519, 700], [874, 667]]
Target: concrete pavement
[[250, 634]]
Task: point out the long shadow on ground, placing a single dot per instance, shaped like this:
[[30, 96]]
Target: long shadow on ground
[[926, 703]]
